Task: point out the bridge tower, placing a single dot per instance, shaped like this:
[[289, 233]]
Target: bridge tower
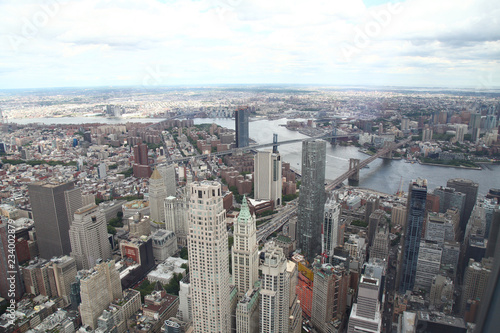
[[334, 133], [387, 145], [354, 164], [275, 143]]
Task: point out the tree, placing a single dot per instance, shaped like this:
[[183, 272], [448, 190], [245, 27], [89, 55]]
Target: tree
[[184, 253]]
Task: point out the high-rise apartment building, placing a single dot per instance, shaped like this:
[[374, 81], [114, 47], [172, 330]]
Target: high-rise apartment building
[[141, 164], [312, 198], [208, 259], [89, 237], [50, 278], [267, 177], [417, 194], [64, 271], [469, 188], [333, 233], [398, 216], [157, 195], [275, 291], [427, 134], [141, 154], [460, 130], [475, 281], [475, 126], [329, 295], [241, 119], [37, 279], [245, 251], [52, 204], [365, 314], [98, 288], [176, 217], [441, 293]]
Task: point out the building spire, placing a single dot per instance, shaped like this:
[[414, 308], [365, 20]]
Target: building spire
[[156, 174]]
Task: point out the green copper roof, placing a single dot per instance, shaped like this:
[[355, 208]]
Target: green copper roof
[[244, 211]]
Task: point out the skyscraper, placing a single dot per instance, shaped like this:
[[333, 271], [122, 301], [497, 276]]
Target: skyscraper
[[372, 204], [469, 188], [141, 164], [428, 264], [365, 314], [168, 174], [241, 118], [267, 177], [64, 270], [208, 259], [329, 295], [176, 217], [157, 195], [312, 198], [98, 288], [89, 237], [245, 251], [51, 211], [450, 198], [475, 281], [417, 194], [275, 291], [141, 154], [332, 232]]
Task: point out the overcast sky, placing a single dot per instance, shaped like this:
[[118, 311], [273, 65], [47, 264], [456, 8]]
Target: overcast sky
[[64, 43]]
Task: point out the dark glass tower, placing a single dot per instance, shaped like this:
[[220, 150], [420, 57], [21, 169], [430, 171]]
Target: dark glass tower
[[241, 117], [417, 196], [53, 205], [312, 198]]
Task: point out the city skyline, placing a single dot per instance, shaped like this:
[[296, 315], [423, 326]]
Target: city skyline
[[371, 42]]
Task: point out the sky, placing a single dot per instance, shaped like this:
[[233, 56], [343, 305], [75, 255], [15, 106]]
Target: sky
[[151, 43]]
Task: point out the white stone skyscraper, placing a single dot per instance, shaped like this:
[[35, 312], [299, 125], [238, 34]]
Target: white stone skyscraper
[[275, 291], [365, 314], [331, 228], [88, 235], [208, 259], [267, 177], [98, 288], [157, 195], [168, 174], [245, 251], [176, 217]]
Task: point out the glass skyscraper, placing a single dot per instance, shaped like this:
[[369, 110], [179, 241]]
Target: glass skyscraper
[[417, 196], [312, 198], [241, 118]]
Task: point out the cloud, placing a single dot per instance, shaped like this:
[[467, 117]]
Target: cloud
[[247, 41]]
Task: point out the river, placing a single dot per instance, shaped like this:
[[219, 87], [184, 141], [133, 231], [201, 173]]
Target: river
[[382, 175]]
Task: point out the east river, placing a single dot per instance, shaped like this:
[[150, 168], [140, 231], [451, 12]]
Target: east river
[[382, 175]]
